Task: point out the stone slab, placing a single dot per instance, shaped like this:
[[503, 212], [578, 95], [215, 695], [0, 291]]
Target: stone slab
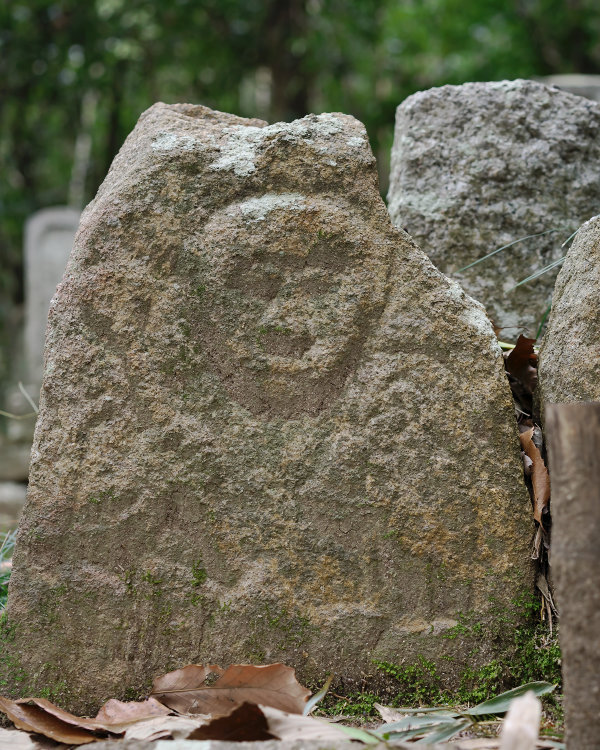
[[576, 83], [270, 430], [477, 166]]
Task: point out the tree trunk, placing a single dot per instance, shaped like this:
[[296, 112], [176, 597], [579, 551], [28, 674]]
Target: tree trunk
[[573, 433]]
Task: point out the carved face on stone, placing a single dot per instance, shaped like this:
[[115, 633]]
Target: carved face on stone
[[290, 288]]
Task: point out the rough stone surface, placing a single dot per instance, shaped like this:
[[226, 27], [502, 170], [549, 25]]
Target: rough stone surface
[[270, 430], [569, 363], [477, 166]]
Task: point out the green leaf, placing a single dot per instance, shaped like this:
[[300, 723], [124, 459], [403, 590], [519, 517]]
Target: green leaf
[[500, 704], [408, 734], [415, 722], [445, 732], [359, 734], [420, 725], [314, 699], [434, 710]]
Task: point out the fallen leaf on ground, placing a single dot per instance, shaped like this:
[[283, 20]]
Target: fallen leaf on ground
[[540, 480], [250, 722], [389, 714], [245, 723], [116, 713], [271, 685], [521, 363], [14, 739], [163, 727], [36, 719], [291, 727]]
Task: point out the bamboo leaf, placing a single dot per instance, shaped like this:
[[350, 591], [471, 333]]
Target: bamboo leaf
[[501, 703], [445, 732], [313, 700]]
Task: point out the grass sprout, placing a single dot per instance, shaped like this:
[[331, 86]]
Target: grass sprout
[[510, 244]]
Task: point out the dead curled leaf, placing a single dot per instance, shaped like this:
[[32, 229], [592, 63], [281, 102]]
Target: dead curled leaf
[[163, 727], [115, 716], [251, 722], [43, 717], [36, 719], [540, 479], [184, 691], [273, 685], [246, 722], [521, 363]]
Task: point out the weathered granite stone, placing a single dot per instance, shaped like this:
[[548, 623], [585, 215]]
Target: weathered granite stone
[[569, 361], [269, 430], [477, 166]]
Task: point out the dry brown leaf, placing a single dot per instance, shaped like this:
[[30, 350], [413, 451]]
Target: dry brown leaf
[[245, 723], [389, 714], [173, 689], [51, 721], [250, 722], [521, 363], [36, 719], [14, 739], [291, 727], [162, 727], [59, 713], [272, 685], [115, 716], [540, 479]]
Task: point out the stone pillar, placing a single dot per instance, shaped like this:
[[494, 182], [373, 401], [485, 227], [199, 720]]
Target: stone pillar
[[573, 432]]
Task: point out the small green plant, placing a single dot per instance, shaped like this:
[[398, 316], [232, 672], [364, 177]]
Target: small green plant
[[419, 682], [199, 574], [355, 704], [6, 550]]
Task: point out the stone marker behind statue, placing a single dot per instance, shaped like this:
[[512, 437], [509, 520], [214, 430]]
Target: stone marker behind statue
[[270, 430], [49, 237], [477, 166], [48, 241]]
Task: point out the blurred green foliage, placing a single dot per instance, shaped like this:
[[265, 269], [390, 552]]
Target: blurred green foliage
[[74, 76]]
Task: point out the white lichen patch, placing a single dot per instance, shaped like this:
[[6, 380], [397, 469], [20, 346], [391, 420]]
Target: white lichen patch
[[241, 146], [170, 141], [257, 209], [239, 151]]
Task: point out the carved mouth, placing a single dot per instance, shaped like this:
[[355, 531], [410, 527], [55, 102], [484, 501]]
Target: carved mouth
[[285, 344]]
